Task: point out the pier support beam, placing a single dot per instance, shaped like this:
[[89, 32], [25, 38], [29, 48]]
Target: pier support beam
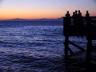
[[66, 46], [88, 53]]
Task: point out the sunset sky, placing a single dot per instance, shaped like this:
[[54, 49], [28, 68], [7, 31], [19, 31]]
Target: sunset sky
[[36, 9]]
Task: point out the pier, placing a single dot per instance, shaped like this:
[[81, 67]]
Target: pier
[[79, 26]]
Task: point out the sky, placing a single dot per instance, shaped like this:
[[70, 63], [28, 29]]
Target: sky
[[36, 9]]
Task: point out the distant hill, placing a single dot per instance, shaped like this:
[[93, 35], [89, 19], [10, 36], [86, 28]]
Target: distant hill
[[43, 19]]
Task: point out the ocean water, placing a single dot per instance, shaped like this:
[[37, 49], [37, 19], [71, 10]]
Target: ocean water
[[32, 47]]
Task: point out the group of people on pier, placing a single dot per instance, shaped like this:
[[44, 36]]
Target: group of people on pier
[[76, 23]]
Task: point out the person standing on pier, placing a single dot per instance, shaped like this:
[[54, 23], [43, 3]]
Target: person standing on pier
[[67, 22], [80, 23], [75, 22]]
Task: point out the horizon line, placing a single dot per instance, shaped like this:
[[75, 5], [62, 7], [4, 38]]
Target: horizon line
[[37, 18], [31, 18]]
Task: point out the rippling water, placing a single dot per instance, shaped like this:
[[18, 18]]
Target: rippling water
[[30, 48]]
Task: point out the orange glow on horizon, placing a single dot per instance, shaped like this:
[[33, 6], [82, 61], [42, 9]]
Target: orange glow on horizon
[[33, 14], [36, 14]]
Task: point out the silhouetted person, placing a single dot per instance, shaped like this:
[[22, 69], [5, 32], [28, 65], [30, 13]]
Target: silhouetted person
[[79, 13], [88, 19], [80, 23], [75, 21], [87, 14], [88, 22], [67, 22], [76, 12], [74, 18], [89, 38]]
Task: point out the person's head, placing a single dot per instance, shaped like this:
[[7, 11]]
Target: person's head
[[79, 12], [67, 12], [87, 12], [75, 11]]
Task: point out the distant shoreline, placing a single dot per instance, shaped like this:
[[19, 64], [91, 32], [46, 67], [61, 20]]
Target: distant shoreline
[[18, 19]]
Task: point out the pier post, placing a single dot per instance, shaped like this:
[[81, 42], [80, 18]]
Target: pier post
[[66, 53], [66, 46], [88, 53]]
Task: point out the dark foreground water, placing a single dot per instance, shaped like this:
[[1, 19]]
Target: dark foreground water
[[30, 48]]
